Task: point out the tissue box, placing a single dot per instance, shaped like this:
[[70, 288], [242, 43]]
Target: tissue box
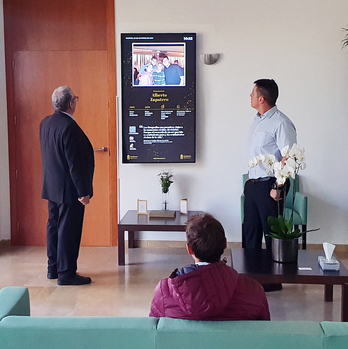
[[334, 264]]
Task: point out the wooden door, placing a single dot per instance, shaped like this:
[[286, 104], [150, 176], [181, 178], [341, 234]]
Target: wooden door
[[34, 83], [49, 44]]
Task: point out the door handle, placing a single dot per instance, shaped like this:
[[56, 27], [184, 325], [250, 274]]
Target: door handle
[[101, 149]]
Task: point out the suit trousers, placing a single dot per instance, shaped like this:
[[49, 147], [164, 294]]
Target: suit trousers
[[258, 206], [64, 230]]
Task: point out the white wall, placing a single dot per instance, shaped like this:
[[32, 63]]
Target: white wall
[[4, 168], [297, 43]]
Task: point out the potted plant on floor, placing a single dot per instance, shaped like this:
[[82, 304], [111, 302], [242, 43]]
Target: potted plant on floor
[[284, 236]]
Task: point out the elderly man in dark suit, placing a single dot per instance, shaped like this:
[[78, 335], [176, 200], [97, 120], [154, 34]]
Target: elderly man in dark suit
[[67, 175]]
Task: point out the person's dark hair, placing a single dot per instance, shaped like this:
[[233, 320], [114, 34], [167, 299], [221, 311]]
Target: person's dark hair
[[268, 89], [61, 98], [206, 237]]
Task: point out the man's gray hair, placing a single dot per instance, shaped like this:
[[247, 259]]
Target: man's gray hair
[[61, 98]]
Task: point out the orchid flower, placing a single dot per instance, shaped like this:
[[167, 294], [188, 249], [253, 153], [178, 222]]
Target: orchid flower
[[297, 153], [285, 151]]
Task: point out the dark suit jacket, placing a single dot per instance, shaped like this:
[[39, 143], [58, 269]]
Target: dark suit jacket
[[67, 160]]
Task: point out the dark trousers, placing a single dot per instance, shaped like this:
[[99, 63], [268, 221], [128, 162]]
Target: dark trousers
[[258, 206], [64, 229]]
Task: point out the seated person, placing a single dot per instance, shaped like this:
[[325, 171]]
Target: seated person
[[208, 289]]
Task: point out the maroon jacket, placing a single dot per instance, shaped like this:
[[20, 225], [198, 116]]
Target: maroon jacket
[[211, 292]]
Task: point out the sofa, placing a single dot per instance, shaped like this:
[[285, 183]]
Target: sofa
[[20, 330]]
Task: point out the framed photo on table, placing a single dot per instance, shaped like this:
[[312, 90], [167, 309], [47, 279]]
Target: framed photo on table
[[142, 206], [183, 206]]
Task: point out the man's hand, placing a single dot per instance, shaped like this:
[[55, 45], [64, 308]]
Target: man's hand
[[85, 200], [275, 194]]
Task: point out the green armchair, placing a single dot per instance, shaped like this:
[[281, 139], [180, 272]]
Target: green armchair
[[300, 207]]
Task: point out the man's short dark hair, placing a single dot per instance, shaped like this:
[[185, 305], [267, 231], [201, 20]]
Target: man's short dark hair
[[268, 89], [206, 237]]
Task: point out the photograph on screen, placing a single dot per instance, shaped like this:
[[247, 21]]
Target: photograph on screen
[[158, 65]]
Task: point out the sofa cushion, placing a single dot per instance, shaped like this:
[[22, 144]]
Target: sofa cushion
[[237, 334], [18, 332]]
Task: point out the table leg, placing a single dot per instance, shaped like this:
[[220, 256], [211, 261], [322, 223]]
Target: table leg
[[121, 258], [344, 303], [131, 242], [328, 293]]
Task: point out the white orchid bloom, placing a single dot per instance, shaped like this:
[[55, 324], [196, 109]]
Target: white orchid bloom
[[291, 163], [297, 153], [278, 172], [285, 151], [303, 165], [288, 171], [261, 159], [253, 162], [279, 177], [278, 166], [269, 160]]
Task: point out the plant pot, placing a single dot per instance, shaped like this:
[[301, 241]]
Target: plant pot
[[285, 251]]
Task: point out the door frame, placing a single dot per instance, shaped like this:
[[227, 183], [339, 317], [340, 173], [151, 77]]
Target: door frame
[[112, 92]]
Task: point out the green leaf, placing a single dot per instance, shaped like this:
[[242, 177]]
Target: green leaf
[[276, 229], [281, 222], [289, 225], [272, 220]]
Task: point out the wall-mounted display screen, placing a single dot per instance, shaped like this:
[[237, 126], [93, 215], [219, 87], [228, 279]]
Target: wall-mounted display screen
[[158, 98]]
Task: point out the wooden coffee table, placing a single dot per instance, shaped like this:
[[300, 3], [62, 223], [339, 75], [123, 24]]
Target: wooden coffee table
[[132, 222], [258, 265]]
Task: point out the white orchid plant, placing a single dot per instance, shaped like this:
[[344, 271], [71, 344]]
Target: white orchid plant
[[293, 160]]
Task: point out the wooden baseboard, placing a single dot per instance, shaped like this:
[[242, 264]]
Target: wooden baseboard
[[5, 243], [182, 244]]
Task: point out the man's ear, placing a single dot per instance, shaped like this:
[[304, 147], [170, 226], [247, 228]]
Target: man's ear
[[189, 249]]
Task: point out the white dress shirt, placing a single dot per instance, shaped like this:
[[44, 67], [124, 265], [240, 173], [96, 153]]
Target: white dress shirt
[[269, 134]]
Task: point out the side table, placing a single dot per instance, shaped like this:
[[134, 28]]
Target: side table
[[132, 222]]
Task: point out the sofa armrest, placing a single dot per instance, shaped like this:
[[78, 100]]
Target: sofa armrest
[[335, 335], [14, 301]]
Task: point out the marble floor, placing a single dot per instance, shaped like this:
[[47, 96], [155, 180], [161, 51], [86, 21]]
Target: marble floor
[[128, 290]]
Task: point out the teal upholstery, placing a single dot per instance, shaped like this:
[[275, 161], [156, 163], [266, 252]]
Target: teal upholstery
[[23, 332], [300, 206], [14, 301], [20, 331], [237, 334], [335, 334]]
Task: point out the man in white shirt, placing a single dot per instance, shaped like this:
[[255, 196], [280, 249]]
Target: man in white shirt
[[270, 132]]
